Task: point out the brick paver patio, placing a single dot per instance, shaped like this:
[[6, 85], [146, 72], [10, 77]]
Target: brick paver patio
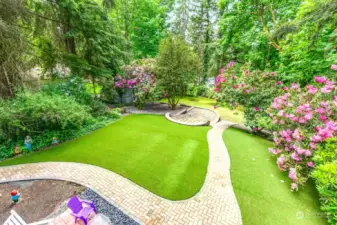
[[214, 204]]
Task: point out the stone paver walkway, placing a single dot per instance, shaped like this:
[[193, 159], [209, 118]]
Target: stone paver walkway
[[214, 204]]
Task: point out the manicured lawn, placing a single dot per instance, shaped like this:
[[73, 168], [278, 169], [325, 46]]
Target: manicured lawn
[[262, 190], [225, 113], [168, 159]]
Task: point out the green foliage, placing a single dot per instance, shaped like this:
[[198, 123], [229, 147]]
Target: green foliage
[[142, 23], [30, 114], [73, 86], [325, 175], [210, 93], [76, 88], [79, 34], [247, 29], [108, 93], [312, 49], [12, 48], [192, 90], [295, 38], [147, 27], [177, 66]]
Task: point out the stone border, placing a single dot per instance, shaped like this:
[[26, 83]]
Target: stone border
[[215, 203], [213, 122]]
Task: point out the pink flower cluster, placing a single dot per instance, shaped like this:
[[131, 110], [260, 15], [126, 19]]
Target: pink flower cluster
[[142, 81], [245, 87], [122, 83], [303, 118]]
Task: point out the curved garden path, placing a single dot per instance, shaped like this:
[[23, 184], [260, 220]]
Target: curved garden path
[[214, 204]]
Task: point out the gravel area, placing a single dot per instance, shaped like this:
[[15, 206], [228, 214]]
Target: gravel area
[[154, 108], [195, 115], [116, 216]]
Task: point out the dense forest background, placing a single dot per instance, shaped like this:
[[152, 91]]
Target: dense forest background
[[95, 38]]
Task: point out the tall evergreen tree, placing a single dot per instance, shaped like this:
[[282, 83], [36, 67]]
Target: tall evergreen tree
[[13, 47]]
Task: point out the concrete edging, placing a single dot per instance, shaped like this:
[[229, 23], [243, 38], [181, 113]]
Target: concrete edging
[[217, 118]]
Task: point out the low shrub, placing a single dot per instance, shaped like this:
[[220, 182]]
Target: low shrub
[[202, 90], [32, 114], [192, 90], [108, 93], [76, 88], [211, 93], [325, 175], [72, 87]]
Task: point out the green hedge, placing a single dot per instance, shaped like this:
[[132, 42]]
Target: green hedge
[[325, 175]]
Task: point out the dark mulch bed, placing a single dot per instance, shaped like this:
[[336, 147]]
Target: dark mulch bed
[[38, 198]]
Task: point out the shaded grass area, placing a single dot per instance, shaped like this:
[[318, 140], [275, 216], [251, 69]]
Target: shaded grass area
[[225, 113], [168, 159], [262, 190]]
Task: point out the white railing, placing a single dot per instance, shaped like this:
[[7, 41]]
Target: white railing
[[15, 219]]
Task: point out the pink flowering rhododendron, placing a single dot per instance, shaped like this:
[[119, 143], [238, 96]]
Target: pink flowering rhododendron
[[334, 67], [252, 89], [140, 80], [309, 118]]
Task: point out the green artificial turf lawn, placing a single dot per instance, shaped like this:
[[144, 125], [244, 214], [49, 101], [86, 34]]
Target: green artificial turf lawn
[[262, 196], [225, 113], [168, 159]]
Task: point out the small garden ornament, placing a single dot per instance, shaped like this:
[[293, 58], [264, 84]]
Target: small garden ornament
[[54, 141], [15, 196], [28, 143], [17, 150]]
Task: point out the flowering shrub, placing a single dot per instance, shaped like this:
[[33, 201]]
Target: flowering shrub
[[325, 175], [140, 79], [303, 118], [253, 90]]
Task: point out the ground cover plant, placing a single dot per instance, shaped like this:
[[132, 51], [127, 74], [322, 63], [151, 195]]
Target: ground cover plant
[[139, 154]]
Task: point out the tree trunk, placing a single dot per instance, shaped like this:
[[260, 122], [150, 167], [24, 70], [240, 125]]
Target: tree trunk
[[126, 25], [69, 42], [9, 86]]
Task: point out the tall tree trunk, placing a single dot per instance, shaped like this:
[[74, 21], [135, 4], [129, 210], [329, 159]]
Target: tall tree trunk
[[94, 85], [207, 40], [126, 25], [69, 42], [9, 85]]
